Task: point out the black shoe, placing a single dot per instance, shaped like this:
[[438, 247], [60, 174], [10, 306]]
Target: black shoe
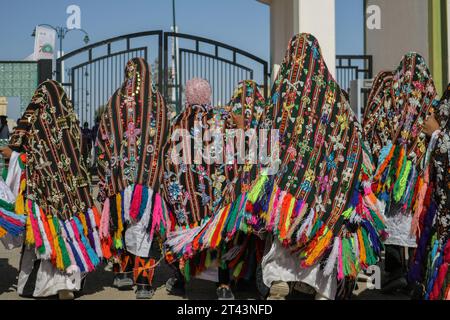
[[175, 287], [224, 293], [144, 291]]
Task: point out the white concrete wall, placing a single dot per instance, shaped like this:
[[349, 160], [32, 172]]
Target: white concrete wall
[[318, 18], [448, 39], [281, 29], [404, 28], [289, 17]]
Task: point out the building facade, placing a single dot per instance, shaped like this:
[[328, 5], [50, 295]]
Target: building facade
[[401, 26]]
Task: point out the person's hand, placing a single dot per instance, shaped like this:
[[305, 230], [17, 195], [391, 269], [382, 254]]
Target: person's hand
[[6, 152], [430, 125]]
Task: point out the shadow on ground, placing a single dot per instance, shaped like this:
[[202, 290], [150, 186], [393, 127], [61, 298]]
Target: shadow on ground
[[8, 274]]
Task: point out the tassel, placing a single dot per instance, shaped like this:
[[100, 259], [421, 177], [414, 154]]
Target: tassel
[[331, 261], [305, 225], [385, 161], [127, 195], [118, 244], [340, 274], [273, 210], [316, 250], [362, 249], [157, 215], [144, 201], [136, 202], [285, 215], [277, 210], [104, 221], [44, 252], [85, 228], [400, 185], [34, 226], [76, 256], [255, 192], [29, 235], [92, 255], [298, 219], [215, 240], [65, 258], [81, 244], [348, 258], [57, 244], [106, 247], [48, 235], [98, 246], [97, 218], [79, 255]]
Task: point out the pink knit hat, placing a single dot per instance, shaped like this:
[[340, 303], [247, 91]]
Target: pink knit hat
[[198, 92]]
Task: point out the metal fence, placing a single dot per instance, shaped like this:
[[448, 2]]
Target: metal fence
[[91, 74], [353, 67]]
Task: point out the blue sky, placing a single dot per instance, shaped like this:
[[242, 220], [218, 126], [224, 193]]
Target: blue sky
[[240, 23]]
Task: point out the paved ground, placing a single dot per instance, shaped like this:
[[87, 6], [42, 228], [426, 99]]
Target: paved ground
[[98, 285]]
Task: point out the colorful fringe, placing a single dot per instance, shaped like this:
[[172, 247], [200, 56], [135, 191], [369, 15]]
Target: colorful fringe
[[430, 263], [437, 284], [12, 215], [396, 180], [10, 222], [240, 256], [127, 207], [64, 243], [266, 207], [347, 231]]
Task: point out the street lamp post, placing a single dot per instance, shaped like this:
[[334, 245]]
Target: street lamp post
[[175, 61], [61, 33]]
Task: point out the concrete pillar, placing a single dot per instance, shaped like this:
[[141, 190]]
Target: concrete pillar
[[45, 70], [289, 17], [319, 19], [3, 106], [448, 41]]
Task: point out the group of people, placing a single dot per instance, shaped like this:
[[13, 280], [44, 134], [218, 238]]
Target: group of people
[[324, 198]]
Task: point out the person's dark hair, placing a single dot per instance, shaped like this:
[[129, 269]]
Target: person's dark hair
[[3, 120], [86, 125]]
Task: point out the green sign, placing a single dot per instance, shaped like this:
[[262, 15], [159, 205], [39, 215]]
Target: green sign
[[19, 79]]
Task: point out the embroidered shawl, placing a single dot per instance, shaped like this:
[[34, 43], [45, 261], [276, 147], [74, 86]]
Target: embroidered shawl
[[397, 107], [130, 137], [319, 204], [194, 190], [432, 257], [378, 133], [246, 110], [56, 196]]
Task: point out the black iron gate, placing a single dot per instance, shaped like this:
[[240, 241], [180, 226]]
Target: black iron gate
[[353, 67], [91, 74], [222, 65]]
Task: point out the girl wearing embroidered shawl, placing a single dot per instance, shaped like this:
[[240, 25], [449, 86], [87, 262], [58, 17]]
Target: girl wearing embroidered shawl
[[131, 133], [397, 106], [195, 190], [54, 194], [319, 204], [431, 260]]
